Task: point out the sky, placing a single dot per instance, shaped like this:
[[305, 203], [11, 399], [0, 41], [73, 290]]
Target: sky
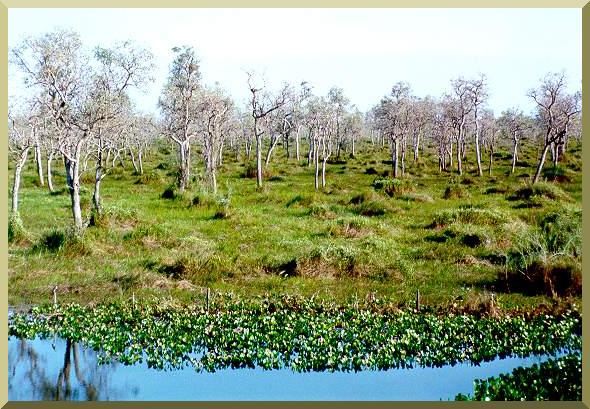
[[363, 51]]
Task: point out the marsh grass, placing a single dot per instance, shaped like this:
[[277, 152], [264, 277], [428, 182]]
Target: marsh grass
[[354, 237]]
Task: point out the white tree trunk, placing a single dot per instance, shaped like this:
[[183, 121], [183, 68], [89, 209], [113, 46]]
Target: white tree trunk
[[540, 165], [38, 159], [514, 155], [49, 176], [297, 143], [259, 161], [16, 183]]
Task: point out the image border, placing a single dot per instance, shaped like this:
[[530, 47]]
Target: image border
[[5, 5]]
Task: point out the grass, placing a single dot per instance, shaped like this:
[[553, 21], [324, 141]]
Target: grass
[[364, 234]]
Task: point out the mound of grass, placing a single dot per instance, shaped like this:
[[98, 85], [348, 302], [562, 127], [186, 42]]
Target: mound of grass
[[202, 200], [501, 189], [148, 178], [171, 193], [417, 197], [371, 209], [300, 200], [349, 227], [362, 198], [204, 269], [547, 257], [250, 172], [60, 241], [557, 174], [455, 191], [393, 187], [16, 230], [163, 166], [320, 210], [470, 215], [539, 190]]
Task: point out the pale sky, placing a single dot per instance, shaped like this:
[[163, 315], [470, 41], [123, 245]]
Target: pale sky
[[363, 51]]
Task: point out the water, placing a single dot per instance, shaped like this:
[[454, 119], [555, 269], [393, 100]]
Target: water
[[42, 370]]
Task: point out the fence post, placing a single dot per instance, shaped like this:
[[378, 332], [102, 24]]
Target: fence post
[[418, 300], [208, 290], [55, 296]]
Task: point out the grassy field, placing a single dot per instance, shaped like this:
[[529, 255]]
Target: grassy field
[[455, 239]]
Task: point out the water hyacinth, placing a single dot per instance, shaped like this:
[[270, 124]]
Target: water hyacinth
[[302, 336]]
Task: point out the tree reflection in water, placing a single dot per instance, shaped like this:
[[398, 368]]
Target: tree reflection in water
[[32, 373]]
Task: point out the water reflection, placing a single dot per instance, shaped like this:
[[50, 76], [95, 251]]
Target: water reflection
[[57, 369]]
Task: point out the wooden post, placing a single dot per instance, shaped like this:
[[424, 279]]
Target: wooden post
[[55, 296], [208, 294], [417, 300], [133, 299]]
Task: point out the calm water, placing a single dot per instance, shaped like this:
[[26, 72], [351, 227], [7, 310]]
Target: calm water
[[53, 370]]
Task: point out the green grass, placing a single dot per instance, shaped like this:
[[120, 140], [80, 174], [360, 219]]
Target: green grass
[[352, 239]]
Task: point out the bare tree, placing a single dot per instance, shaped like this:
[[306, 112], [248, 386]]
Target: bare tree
[[489, 134], [22, 136], [179, 106], [461, 108], [214, 111], [392, 117], [514, 124], [120, 67], [478, 94], [54, 64], [555, 110], [262, 104], [353, 127], [340, 102]]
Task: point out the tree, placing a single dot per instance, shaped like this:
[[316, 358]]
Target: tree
[[478, 94], [459, 111], [555, 110], [262, 104], [55, 65], [78, 99], [279, 124], [340, 102], [489, 133], [353, 127], [215, 110], [22, 136], [392, 117], [513, 123], [321, 120], [179, 105], [120, 67]]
